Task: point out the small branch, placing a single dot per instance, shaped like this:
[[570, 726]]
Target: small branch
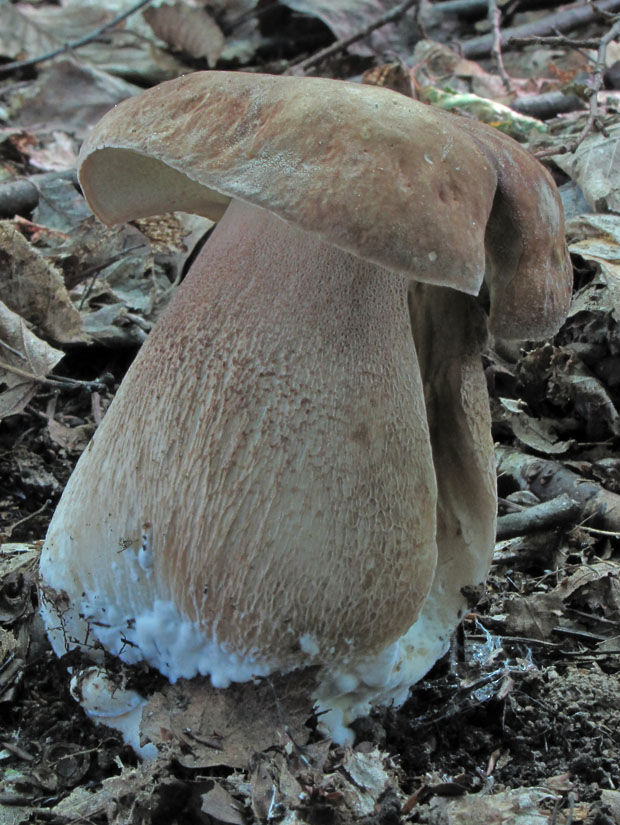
[[495, 17], [28, 376], [38, 512], [7, 68], [547, 104], [93, 271], [596, 83], [571, 17], [22, 195], [57, 381], [461, 6], [553, 40], [345, 42], [547, 479], [556, 512]]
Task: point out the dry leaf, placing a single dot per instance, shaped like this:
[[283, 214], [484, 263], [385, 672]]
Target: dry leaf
[[369, 779], [24, 358], [597, 238], [58, 155], [595, 167], [119, 798], [515, 807], [212, 726], [346, 17], [33, 288], [93, 92], [533, 617], [127, 49], [219, 804], [188, 29], [28, 31], [537, 433]]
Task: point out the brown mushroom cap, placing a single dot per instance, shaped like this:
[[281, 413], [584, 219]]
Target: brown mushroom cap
[[438, 198]]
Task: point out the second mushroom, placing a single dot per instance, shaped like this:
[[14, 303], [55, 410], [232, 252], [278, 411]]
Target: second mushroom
[[298, 468]]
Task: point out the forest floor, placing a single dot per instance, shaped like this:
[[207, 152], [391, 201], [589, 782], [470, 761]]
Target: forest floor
[[520, 722]]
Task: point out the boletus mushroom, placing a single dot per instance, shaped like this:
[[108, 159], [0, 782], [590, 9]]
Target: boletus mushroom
[[298, 469]]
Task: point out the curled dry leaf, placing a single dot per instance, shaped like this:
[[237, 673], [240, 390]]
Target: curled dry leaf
[[119, 800], [573, 383], [47, 107], [369, 779], [592, 590], [187, 28], [595, 167], [597, 238], [520, 806], [24, 361], [35, 289], [346, 17], [16, 596], [220, 805], [436, 64], [537, 433]]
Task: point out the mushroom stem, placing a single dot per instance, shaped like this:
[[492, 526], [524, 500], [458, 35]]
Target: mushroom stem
[[449, 332], [280, 398], [449, 329]]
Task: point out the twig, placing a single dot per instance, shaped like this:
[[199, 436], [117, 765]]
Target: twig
[[7, 68], [548, 478], [495, 16], [545, 516], [556, 811], [580, 635], [93, 271], [596, 82], [16, 750], [549, 152], [22, 195], [571, 17], [461, 6], [51, 382], [547, 104], [553, 40], [612, 534], [298, 748], [345, 42], [571, 808], [23, 520]]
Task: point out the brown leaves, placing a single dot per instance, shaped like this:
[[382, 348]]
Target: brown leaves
[[346, 17], [585, 605], [24, 361], [189, 29], [207, 726], [35, 289]]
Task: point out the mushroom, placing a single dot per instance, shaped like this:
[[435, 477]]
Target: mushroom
[[298, 468]]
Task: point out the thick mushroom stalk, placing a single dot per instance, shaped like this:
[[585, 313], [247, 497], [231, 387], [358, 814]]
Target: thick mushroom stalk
[[297, 469]]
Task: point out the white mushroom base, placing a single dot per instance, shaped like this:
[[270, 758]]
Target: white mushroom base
[[176, 648]]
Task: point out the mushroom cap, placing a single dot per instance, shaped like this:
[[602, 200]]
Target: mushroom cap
[[437, 198]]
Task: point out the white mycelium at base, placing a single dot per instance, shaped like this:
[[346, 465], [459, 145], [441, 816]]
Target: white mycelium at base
[[107, 702], [345, 694], [178, 649]]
